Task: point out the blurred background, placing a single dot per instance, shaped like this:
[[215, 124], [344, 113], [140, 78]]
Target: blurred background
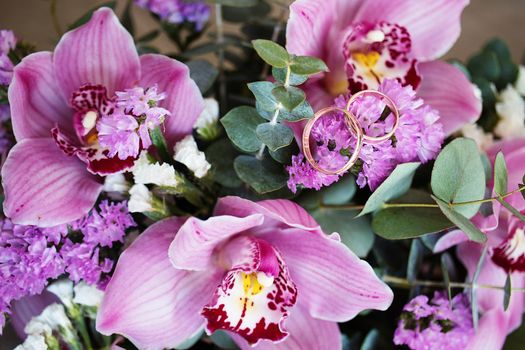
[[482, 20]]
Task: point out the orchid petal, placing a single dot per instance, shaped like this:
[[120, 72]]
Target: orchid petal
[[44, 187], [184, 100], [333, 282], [280, 212], [23, 310], [434, 25], [491, 332], [251, 302], [149, 301], [305, 331], [447, 89], [99, 52], [197, 239], [35, 106], [450, 239]]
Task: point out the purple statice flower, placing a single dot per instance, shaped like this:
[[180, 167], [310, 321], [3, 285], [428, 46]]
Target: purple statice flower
[[178, 11], [108, 225], [83, 262], [435, 324], [7, 40], [28, 258], [6, 69], [7, 43], [118, 133], [302, 173], [127, 129], [418, 137]]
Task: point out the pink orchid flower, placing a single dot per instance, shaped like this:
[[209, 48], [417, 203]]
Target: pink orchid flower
[[365, 42], [505, 254], [53, 174], [265, 272]]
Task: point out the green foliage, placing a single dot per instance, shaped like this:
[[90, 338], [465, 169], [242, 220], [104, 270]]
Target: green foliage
[[397, 183], [293, 79], [461, 222], [415, 258], [458, 176], [203, 73], [305, 65], [221, 155], [500, 175], [290, 97], [262, 175], [274, 135], [273, 54], [240, 124], [507, 292]]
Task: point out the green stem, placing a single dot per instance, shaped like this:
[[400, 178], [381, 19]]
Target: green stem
[[54, 18], [427, 205], [404, 283]]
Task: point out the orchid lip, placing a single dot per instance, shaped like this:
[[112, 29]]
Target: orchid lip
[[510, 254]]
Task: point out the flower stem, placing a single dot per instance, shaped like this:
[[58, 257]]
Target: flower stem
[[405, 283], [54, 18]]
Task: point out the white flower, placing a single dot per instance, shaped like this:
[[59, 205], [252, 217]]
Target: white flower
[[473, 131], [88, 295], [52, 318], [33, 342], [63, 289], [187, 153], [520, 82], [145, 172], [116, 183], [511, 110], [209, 115], [140, 199]]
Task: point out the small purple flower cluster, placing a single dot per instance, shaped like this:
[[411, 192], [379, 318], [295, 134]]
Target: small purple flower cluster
[[435, 324], [7, 43], [127, 129], [178, 11], [30, 255], [418, 138]]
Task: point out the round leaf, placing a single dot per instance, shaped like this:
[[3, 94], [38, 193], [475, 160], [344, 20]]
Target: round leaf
[[458, 176], [289, 97], [305, 65], [240, 124], [500, 174], [262, 175], [273, 54], [274, 135]]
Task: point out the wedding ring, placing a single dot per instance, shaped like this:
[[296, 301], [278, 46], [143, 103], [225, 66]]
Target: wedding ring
[[351, 123]]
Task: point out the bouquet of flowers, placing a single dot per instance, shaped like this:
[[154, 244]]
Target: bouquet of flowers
[[291, 176]]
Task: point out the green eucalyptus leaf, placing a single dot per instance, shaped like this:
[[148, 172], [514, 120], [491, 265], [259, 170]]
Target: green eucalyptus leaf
[[223, 340], [294, 79], [341, 192], [203, 73], [262, 90], [221, 155], [289, 97], [473, 294], [284, 155], [446, 263], [306, 65], [274, 135], [500, 174], [485, 65], [458, 176], [355, 233], [371, 340], [487, 166], [301, 112], [240, 124], [397, 183], [415, 258], [499, 48], [461, 222], [262, 175], [507, 290], [272, 53]]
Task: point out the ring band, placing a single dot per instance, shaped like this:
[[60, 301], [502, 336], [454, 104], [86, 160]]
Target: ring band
[[391, 105], [351, 123]]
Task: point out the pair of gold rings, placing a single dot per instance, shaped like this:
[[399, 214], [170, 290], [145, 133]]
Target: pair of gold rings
[[353, 126]]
